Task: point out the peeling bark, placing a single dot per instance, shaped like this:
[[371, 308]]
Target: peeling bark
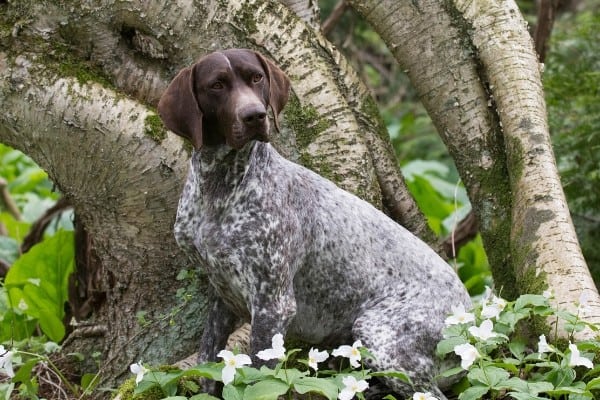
[[544, 246], [474, 65]]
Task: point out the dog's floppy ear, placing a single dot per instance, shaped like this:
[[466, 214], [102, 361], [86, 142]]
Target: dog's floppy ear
[[279, 87], [179, 109]]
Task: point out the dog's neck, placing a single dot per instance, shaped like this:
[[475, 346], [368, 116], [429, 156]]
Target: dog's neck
[[219, 169]]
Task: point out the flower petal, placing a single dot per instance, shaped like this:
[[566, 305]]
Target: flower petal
[[227, 374]]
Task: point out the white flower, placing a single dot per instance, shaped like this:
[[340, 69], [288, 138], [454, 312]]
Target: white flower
[[139, 370], [232, 362], [424, 396], [352, 386], [350, 352], [492, 307], [276, 351], [548, 294], [484, 331], [468, 354], [459, 316], [6, 361], [315, 356], [543, 346], [576, 359]]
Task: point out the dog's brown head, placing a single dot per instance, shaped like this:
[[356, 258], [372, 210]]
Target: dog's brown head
[[223, 99]]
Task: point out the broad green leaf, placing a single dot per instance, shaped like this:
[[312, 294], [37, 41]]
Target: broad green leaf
[[175, 398], [594, 384], [525, 396], [490, 376], [530, 300], [447, 346], [393, 374], [290, 375], [533, 388], [207, 370], [203, 396], [37, 282], [473, 393], [89, 382], [322, 386], [268, 389], [231, 392]]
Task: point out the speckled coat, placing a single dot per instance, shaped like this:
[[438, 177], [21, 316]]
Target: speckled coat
[[290, 252]]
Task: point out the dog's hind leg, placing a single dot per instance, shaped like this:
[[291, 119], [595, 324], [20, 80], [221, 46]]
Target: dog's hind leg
[[401, 337]]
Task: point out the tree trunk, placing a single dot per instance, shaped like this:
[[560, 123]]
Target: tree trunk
[[79, 80], [474, 66]]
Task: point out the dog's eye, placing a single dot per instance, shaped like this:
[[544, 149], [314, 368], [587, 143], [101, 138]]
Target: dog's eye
[[257, 78], [217, 85]]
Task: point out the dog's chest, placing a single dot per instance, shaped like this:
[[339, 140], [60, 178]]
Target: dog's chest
[[215, 214]]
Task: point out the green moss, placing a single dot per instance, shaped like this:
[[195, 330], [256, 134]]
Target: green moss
[[306, 122], [154, 128], [125, 391], [370, 108], [246, 17], [515, 160]]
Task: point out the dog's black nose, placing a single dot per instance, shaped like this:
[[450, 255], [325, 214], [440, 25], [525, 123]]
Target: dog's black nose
[[253, 114]]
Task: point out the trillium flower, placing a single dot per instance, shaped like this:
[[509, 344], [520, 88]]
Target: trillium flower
[[139, 370], [315, 356], [352, 386], [576, 359], [484, 331], [6, 361], [459, 316], [350, 352], [468, 354], [276, 351], [493, 307], [232, 362], [543, 346], [424, 396]]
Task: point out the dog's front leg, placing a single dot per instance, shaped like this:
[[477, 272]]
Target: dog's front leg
[[220, 323], [272, 313]]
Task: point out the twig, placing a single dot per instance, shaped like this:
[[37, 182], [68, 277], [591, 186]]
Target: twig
[[546, 13], [334, 17], [7, 201]]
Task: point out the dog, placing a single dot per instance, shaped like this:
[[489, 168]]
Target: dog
[[286, 249]]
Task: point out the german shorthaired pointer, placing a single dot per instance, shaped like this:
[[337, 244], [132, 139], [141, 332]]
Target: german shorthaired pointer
[[286, 249]]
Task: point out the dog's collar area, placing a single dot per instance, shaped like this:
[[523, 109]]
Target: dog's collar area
[[208, 157]]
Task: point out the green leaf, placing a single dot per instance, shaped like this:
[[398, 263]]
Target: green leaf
[[525, 396], [490, 376], [322, 386], [206, 370], [23, 374], [451, 372], [38, 282], [535, 300], [393, 374], [175, 398], [231, 392], [594, 384], [269, 389], [473, 393], [89, 382], [533, 388], [290, 375], [203, 396], [517, 348], [447, 346]]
